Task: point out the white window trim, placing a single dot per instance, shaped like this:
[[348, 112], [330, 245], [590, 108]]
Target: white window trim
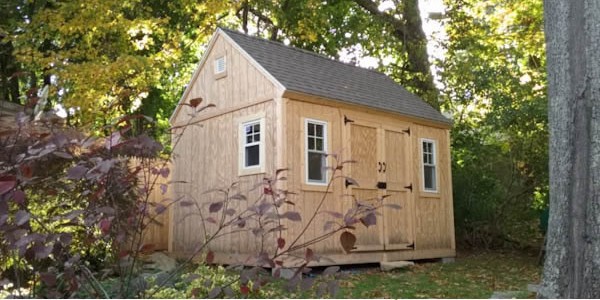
[[216, 65], [435, 165], [325, 151], [242, 122]]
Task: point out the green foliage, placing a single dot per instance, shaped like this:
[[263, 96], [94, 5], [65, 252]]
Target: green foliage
[[104, 59], [494, 81], [200, 282]]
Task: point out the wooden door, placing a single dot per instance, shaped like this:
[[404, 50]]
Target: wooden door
[[398, 223], [364, 139]]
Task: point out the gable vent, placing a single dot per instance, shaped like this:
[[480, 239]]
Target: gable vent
[[220, 65]]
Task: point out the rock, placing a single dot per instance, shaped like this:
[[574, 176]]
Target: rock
[[448, 260], [392, 265], [285, 273], [160, 261], [533, 288], [507, 295]]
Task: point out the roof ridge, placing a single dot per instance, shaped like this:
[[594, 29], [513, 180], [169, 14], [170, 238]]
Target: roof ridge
[[280, 44], [311, 73]]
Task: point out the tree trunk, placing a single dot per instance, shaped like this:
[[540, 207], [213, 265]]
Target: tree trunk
[[409, 30], [572, 267]]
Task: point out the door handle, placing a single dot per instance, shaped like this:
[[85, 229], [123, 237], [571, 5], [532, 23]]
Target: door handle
[[379, 170], [384, 167]]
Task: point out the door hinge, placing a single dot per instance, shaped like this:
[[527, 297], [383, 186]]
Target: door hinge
[[407, 131], [409, 187], [346, 120], [348, 183], [411, 246], [382, 185]]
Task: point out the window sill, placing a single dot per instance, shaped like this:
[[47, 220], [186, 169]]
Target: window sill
[[252, 171], [316, 188], [424, 194]]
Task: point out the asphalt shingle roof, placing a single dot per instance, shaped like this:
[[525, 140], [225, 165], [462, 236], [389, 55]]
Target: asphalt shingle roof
[[306, 72]]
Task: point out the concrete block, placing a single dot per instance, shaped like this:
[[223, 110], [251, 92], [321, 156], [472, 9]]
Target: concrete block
[[392, 265], [284, 273], [448, 260], [506, 295]]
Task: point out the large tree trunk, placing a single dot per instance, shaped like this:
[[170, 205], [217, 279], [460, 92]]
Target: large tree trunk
[[572, 267]]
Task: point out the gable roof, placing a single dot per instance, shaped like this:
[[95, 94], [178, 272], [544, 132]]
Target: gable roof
[[310, 73]]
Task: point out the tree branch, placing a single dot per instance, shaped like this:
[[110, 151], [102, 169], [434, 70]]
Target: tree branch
[[373, 9]]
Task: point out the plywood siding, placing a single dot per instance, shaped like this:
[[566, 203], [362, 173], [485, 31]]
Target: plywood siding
[[424, 221], [156, 233], [434, 211], [241, 84], [206, 159], [308, 197]]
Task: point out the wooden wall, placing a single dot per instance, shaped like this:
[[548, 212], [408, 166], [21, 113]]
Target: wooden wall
[[206, 154], [426, 219], [206, 157], [434, 211], [157, 233], [242, 85]]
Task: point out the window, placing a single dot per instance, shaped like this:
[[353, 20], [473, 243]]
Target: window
[[251, 137], [316, 150], [251, 144], [429, 165], [220, 65]]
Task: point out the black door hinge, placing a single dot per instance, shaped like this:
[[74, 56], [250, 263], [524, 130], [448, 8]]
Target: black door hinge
[[348, 183], [407, 131], [409, 187], [346, 120], [411, 246], [382, 185]]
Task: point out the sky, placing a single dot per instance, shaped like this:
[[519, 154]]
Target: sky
[[433, 31]]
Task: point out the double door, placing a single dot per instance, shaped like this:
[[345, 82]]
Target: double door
[[382, 170]]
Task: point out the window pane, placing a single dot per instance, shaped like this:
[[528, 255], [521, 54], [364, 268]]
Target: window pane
[[319, 130], [429, 178], [319, 144], [316, 162], [311, 129], [248, 139], [257, 137], [311, 143], [248, 129], [427, 147], [425, 158], [252, 156], [257, 127]]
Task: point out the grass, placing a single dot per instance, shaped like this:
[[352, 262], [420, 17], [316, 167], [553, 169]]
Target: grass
[[473, 275]]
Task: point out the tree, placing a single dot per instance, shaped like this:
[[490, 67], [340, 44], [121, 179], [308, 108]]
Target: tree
[[573, 241], [139, 55], [493, 77], [358, 26]]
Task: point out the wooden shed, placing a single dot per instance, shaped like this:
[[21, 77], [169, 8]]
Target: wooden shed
[[280, 107]]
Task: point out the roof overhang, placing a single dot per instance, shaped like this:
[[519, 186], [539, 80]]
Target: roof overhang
[[303, 96]]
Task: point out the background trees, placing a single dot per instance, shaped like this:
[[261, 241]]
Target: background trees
[[494, 84], [103, 59]]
